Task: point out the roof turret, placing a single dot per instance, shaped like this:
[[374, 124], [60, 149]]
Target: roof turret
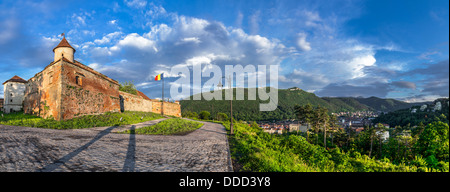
[[64, 43]]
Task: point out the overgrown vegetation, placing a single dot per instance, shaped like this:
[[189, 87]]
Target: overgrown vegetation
[[173, 126], [88, 121], [256, 150], [128, 86]]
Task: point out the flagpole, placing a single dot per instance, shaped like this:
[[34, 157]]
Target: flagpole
[[162, 105]]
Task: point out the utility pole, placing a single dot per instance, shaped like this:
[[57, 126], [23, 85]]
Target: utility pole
[[231, 105], [162, 104], [231, 102]]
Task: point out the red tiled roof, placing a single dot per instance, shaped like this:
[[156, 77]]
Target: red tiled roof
[[143, 95], [64, 43], [15, 79]]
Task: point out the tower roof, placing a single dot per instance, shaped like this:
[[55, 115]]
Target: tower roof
[[15, 79], [64, 43]]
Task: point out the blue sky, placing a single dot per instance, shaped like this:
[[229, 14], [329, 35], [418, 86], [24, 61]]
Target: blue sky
[[389, 49]]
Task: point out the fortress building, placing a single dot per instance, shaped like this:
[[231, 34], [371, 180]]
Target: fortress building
[[67, 88], [13, 90]]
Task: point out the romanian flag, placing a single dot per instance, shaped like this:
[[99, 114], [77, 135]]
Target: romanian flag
[[159, 77]]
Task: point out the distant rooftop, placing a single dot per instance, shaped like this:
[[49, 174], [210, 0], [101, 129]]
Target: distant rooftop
[[15, 79]]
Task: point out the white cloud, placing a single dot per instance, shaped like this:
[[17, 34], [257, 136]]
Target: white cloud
[[156, 11], [358, 63], [137, 41], [136, 3], [254, 22], [184, 41], [107, 38], [194, 40], [302, 43]]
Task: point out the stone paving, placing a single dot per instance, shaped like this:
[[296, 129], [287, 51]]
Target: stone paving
[[101, 149]]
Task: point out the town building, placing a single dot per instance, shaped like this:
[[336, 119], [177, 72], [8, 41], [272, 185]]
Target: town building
[[13, 90], [66, 89], [384, 135]]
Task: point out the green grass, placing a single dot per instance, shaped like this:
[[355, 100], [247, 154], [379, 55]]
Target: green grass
[[88, 121], [173, 126]]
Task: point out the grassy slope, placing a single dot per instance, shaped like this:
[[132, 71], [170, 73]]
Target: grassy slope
[[173, 126], [88, 121]]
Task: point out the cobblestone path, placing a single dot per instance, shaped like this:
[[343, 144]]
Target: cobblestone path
[[101, 149]]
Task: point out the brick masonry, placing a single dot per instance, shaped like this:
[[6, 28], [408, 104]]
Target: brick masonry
[[64, 90], [67, 88], [135, 103]]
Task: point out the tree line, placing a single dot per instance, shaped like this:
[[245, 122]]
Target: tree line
[[425, 144]]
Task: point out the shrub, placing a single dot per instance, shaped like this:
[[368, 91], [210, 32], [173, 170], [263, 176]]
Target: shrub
[[221, 117], [128, 87], [204, 115]]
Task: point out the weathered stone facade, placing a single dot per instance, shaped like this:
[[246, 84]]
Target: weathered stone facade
[[173, 109], [139, 103], [66, 89], [14, 94], [135, 103]]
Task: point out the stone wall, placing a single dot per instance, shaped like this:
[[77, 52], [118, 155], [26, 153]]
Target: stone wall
[[173, 109], [87, 92], [43, 92], [65, 89], [135, 103]]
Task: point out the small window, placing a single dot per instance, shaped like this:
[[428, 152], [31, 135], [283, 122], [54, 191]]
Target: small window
[[50, 77], [11, 100], [78, 80]]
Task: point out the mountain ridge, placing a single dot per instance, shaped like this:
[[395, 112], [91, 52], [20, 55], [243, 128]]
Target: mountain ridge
[[287, 98]]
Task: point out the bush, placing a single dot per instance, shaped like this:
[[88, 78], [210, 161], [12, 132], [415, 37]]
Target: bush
[[221, 117], [189, 114], [204, 115], [128, 87]]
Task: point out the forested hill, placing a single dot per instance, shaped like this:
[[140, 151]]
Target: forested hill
[[410, 117], [375, 103], [287, 99]]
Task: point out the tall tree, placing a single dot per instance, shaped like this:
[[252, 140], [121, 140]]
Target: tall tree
[[322, 115], [434, 141], [380, 129], [371, 132]]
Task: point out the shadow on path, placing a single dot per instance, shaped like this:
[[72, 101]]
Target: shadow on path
[[51, 167], [130, 160]]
